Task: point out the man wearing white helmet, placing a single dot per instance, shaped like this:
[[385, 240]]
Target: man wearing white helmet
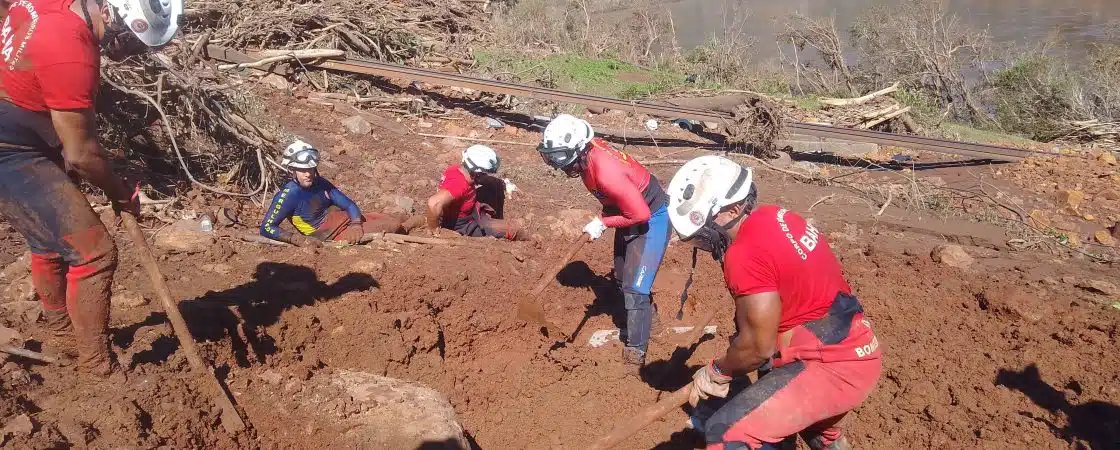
[[795, 315], [470, 200], [634, 204], [307, 202], [49, 77]]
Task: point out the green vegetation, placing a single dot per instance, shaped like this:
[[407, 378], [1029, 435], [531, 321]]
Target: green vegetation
[[597, 76]]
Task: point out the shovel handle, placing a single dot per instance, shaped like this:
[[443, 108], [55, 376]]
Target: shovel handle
[[642, 419], [547, 278]]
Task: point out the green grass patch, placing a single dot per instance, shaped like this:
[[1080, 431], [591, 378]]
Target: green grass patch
[[597, 76], [969, 134]]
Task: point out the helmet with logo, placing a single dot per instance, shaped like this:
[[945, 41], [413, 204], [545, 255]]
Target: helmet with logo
[[480, 159], [300, 155], [698, 191], [154, 22], [565, 140]]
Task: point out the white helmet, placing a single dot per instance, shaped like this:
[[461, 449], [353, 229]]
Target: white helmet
[[564, 140], [701, 188], [154, 22], [480, 159], [300, 155]]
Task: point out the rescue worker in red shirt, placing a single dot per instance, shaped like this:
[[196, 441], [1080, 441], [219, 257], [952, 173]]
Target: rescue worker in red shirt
[[470, 200], [634, 204], [796, 317], [49, 78]]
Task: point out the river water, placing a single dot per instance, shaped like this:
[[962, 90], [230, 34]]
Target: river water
[[1079, 23]]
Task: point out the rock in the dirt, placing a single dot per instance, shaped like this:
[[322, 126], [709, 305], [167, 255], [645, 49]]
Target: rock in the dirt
[[128, 300], [357, 125], [18, 269], [1071, 198], [77, 433], [19, 290], [9, 336], [363, 410], [406, 204], [782, 160], [1099, 286], [1013, 301], [1038, 219], [271, 377], [952, 255], [25, 311], [221, 269], [453, 143], [1105, 238], [1112, 194], [1107, 158], [184, 236], [806, 167], [20, 425], [369, 266]]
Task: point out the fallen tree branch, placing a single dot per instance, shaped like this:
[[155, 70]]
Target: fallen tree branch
[[858, 100], [465, 138], [284, 55], [885, 118]]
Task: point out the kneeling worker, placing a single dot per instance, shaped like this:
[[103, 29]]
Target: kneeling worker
[[306, 201], [795, 315], [461, 205]]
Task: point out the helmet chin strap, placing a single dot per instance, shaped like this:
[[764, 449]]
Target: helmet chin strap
[[712, 238]]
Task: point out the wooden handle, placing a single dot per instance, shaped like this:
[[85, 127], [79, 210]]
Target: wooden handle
[[547, 278], [642, 419], [231, 419]]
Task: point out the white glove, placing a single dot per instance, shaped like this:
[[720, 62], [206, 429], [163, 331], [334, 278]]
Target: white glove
[[510, 187], [708, 382], [595, 228]]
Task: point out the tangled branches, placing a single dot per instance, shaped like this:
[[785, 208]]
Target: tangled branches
[[183, 121]]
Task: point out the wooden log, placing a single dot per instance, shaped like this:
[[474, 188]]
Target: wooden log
[[885, 118], [858, 100]]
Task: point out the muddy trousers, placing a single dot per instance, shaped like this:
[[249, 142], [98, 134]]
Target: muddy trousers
[[336, 226], [482, 223], [72, 255], [638, 251], [824, 369]]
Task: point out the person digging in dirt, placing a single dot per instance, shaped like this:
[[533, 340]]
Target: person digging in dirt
[[795, 315], [306, 201], [633, 203], [470, 199], [48, 128]]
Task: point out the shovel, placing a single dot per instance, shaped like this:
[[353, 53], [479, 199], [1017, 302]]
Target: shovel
[[231, 419], [529, 309]]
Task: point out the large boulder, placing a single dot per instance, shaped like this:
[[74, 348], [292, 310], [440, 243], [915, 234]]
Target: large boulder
[[184, 236], [364, 410]]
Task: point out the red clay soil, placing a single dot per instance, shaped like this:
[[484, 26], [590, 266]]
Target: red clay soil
[[1007, 353]]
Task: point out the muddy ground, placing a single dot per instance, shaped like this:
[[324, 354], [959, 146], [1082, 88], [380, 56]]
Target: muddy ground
[[1016, 350]]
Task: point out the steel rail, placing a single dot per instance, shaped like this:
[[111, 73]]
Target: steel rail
[[389, 70]]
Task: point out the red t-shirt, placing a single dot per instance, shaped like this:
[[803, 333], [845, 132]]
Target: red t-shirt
[[461, 189], [50, 58], [618, 180], [776, 251]]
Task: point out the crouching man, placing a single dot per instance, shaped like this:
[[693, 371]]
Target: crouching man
[[470, 200]]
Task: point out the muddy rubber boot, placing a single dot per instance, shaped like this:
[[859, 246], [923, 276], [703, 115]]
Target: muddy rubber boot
[[634, 356], [839, 444], [58, 322], [94, 355]]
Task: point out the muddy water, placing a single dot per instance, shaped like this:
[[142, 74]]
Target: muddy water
[[1080, 23]]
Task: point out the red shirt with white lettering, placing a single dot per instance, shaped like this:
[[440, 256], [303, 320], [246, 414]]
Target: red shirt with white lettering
[[50, 57], [462, 191], [776, 251]]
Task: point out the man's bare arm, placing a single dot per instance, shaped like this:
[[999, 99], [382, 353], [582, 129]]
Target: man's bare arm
[[757, 316]]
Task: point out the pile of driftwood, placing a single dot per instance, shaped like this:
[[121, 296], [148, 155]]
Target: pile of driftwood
[[1093, 131], [180, 120], [874, 111]]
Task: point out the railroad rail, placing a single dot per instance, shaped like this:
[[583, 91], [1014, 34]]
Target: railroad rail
[[395, 71]]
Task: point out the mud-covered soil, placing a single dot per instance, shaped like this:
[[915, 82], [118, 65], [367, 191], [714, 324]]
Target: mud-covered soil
[[1018, 350]]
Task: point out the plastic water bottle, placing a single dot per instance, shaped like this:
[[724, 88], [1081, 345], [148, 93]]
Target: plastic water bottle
[[207, 224]]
